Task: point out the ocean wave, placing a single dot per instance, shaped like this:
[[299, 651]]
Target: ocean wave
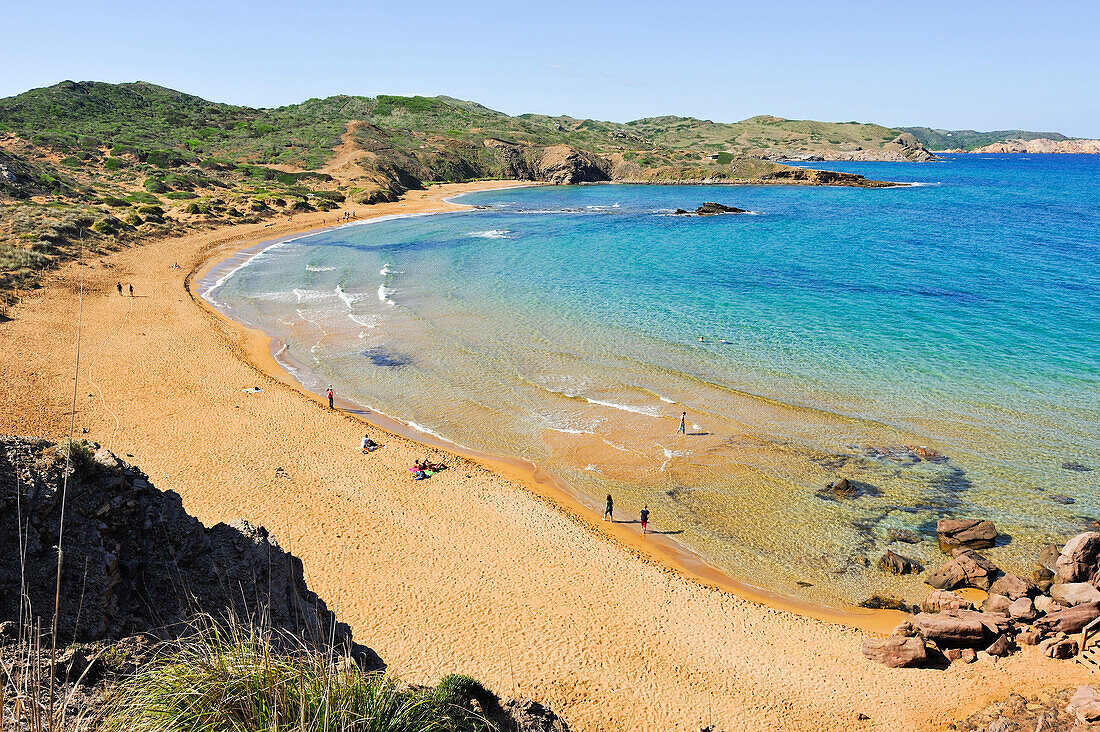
[[386, 271], [491, 234], [647, 411], [384, 295], [311, 268]]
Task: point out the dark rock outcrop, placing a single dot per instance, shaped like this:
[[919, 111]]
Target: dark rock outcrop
[[1070, 620], [134, 561]]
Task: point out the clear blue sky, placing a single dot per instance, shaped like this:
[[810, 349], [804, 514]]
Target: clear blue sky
[[958, 64]]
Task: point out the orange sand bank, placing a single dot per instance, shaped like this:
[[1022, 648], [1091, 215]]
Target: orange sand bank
[[473, 571]]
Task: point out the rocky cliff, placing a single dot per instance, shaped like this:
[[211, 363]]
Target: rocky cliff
[[1042, 145], [133, 560]]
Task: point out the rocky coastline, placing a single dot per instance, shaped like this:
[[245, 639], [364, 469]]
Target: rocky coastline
[[1060, 599]]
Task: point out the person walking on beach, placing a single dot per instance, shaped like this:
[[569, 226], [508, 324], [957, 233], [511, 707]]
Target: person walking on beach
[[609, 507], [131, 290], [119, 286], [644, 517], [328, 393], [682, 429]]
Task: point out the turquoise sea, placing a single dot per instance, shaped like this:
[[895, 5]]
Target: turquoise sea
[[831, 332]]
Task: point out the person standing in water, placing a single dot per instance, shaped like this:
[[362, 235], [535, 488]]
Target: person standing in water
[[682, 429], [644, 517], [608, 509], [328, 393]]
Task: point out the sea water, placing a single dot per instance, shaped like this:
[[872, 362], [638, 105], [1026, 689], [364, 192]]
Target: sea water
[[937, 344]]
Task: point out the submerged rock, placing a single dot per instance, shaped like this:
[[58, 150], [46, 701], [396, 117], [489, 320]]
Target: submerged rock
[[897, 564], [973, 533]]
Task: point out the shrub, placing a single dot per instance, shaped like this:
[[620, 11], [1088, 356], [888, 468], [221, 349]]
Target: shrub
[[151, 211], [155, 185], [106, 226], [133, 220], [142, 197], [192, 208], [229, 681], [114, 163], [72, 162], [115, 201], [301, 205]]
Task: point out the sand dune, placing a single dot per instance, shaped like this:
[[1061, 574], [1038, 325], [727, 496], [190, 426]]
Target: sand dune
[[468, 571]]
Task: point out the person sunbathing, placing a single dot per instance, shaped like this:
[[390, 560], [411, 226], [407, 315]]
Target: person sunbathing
[[369, 445]]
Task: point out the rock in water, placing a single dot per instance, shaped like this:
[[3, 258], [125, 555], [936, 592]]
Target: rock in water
[[710, 208], [966, 568], [897, 564], [896, 651], [973, 533]]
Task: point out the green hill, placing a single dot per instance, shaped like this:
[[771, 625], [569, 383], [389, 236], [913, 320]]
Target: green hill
[[970, 139], [119, 162]]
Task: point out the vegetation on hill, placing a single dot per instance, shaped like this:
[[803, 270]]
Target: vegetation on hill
[[110, 164], [970, 139]]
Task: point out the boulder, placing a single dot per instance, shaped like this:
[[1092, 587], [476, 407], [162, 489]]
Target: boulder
[[1013, 587], [940, 600], [973, 533], [1069, 620], [1059, 648], [947, 629], [1075, 593], [1000, 647], [530, 716], [1048, 557], [1023, 609], [996, 604], [906, 536], [1029, 638], [1046, 604], [896, 651], [1080, 559], [897, 564], [1085, 705], [966, 568]]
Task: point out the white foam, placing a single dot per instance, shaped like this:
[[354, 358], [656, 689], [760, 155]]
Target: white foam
[[386, 271], [647, 411], [425, 430], [491, 234], [319, 269], [384, 295]]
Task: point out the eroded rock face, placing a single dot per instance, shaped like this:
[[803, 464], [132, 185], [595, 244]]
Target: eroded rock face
[[135, 561], [973, 533], [896, 651], [1085, 705], [1023, 609]]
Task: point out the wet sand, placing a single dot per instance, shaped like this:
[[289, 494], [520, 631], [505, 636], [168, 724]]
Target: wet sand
[[490, 568]]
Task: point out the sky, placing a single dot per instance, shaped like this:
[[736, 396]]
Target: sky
[[965, 64]]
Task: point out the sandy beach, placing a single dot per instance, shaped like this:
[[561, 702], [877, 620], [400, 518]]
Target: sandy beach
[[489, 568]]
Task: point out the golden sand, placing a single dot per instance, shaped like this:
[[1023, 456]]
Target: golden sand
[[490, 568]]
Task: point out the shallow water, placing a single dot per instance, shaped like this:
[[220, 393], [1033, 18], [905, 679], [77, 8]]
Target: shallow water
[[815, 338]]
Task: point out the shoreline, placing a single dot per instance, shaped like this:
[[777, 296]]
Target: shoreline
[[466, 573], [263, 350]]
